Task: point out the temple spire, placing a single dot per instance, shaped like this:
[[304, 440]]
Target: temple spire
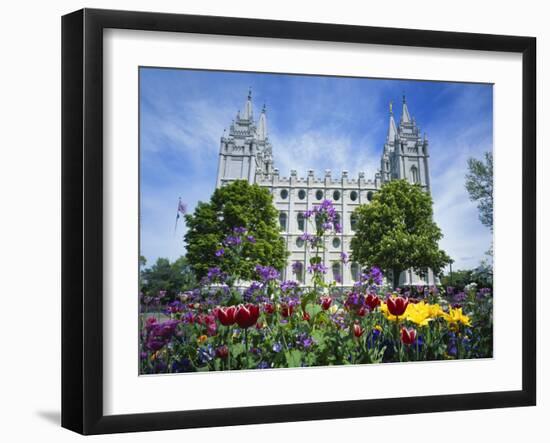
[[262, 125], [248, 106], [405, 116], [392, 130]]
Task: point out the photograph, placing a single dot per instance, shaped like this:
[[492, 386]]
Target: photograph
[[294, 221]]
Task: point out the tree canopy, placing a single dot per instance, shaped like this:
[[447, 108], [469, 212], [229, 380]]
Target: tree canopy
[[238, 204], [166, 276], [479, 184], [396, 231]]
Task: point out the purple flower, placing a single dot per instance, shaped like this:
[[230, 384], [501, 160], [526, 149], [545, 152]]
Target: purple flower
[[288, 285], [239, 230], [338, 228], [220, 252], [344, 257], [317, 267], [251, 239], [215, 273], [297, 267], [277, 347], [267, 273], [231, 240], [450, 290], [308, 213]]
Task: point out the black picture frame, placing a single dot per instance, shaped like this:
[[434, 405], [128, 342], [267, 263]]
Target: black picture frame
[[82, 218]]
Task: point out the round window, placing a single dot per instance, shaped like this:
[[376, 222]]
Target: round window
[[336, 195], [301, 194], [284, 194], [369, 195], [299, 242], [353, 195], [319, 195], [336, 242]]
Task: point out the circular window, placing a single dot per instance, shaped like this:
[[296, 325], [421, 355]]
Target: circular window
[[336, 195], [301, 194], [284, 194], [369, 195], [353, 195], [299, 242], [336, 242], [319, 195]]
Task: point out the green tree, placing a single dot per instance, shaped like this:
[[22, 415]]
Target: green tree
[[238, 204], [396, 231], [479, 184], [166, 276]]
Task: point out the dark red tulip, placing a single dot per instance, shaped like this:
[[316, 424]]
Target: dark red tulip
[[372, 301], [358, 330], [397, 305], [326, 302], [306, 316], [286, 310], [408, 336], [222, 352], [247, 315], [226, 315], [269, 308], [361, 311]]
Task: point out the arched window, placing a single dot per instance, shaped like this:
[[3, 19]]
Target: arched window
[[300, 242], [338, 219], [284, 194], [355, 271], [353, 195], [337, 271], [301, 194], [414, 174], [319, 195], [301, 221], [353, 221], [282, 220], [336, 242], [298, 270], [336, 195], [369, 195]]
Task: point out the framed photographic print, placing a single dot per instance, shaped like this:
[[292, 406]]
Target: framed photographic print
[[255, 207]]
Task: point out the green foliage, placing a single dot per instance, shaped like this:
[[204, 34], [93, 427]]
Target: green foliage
[[396, 231], [482, 276], [165, 276], [479, 184], [238, 204]]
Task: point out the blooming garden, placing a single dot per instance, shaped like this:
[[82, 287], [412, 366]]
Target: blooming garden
[[224, 324]]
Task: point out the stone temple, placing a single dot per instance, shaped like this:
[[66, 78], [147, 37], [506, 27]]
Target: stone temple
[[246, 153]]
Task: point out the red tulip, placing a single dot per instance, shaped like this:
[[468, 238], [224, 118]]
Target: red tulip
[[226, 315], [326, 302], [222, 352], [269, 308], [397, 305], [362, 311], [372, 301], [306, 316], [247, 315], [408, 336], [286, 310], [358, 330]]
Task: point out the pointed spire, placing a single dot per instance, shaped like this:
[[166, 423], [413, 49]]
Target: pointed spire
[[405, 116], [392, 130], [248, 106], [262, 125]]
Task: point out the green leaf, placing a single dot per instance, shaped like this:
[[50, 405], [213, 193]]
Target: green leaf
[[293, 358]]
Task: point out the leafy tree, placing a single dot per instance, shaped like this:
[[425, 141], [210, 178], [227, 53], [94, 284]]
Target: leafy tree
[[165, 276], [396, 231], [238, 204], [479, 184]]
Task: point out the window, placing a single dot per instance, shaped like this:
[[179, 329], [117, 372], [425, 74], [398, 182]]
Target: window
[[319, 195], [337, 271], [299, 242], [370, 194], [414, 175], [318, 222], [355, 271], [336, 242], [336, 195], [301, 194], [301, 221], [353, 195], [338, 219], [282, 220], [298, 270], [353, 221], [284, 194]]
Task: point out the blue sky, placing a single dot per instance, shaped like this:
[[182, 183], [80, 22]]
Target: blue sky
[[327, 122]]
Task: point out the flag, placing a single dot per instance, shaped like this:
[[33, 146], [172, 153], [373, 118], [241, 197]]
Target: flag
[[180, 211]]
